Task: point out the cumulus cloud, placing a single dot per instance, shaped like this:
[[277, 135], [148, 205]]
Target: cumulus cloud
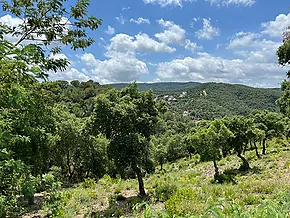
[[69, 75], [140, 20], [122, 63], [256, 64], [254, 48], [172, 34], [110, 30], [207, 68], [277, 27], [192, 46], [208, 31], [118, 68], [141, 42]]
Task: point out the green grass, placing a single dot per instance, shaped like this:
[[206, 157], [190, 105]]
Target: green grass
[[186, 189]]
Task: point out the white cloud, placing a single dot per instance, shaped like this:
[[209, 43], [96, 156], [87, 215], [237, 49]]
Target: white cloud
[[118, 68], [173, 34], [140, 20], [207, 68], [254, 48], [11, 22], [232, 2], [179, 3], [121, 19], [164, 3], [126, 8], [122, 64], [110, 30], [69, 75], [208, 31], [277, 27], [141, 42], [192, 46], [144, 43], [15, 22]]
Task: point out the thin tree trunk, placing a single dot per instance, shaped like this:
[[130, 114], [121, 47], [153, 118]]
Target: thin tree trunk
[[68, 163], [256, 149], [137, 170], [264, 147], [251, 145], [161, 166], [216, 169], [245, 165], [245, 148]]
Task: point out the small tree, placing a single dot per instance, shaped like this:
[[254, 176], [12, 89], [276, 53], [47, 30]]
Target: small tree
[[239, 126], [210, 142], [270, 122]]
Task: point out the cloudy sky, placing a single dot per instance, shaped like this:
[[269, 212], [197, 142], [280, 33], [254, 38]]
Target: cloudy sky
[[231, 41]]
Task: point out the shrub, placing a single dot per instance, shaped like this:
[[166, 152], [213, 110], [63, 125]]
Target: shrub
[[2, 206], [164, 191], [28, 190], [183, 202], [89, 183]]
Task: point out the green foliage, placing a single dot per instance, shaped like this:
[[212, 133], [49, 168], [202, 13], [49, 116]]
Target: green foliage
[[15, 183], [128, 118], [89, 183], [181, 203], [164, 191]]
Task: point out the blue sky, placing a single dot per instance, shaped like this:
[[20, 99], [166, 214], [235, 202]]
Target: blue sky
[[231, 41]]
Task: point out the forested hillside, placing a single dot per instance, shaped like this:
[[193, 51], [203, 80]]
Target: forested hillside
[[212, 100], [159, 87]]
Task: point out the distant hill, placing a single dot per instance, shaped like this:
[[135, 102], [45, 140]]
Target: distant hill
[[211, 100], [157, 87]]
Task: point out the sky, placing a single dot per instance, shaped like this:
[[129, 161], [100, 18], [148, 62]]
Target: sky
[[229, 41]]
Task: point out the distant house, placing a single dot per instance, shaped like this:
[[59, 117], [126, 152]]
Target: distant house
[[183, 94]]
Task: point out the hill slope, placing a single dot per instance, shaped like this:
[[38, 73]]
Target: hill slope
[[211, 100], [186, 189], [159, 87]]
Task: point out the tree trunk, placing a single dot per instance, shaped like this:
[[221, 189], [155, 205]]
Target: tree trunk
[[264, 147], [245, 147], [68, 163], [216, 169], [256, 149], [251, 145], [245, 165], [190, 155], [137, 170], [161, 166]]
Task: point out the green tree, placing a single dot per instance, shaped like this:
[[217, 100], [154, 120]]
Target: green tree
[[270, 122], [209, 142], [127, 118], [239, 126]]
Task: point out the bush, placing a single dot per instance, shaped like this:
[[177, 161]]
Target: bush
[[2, 206], [184, 201], [164, 191], [89, 183], [28, 190]]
